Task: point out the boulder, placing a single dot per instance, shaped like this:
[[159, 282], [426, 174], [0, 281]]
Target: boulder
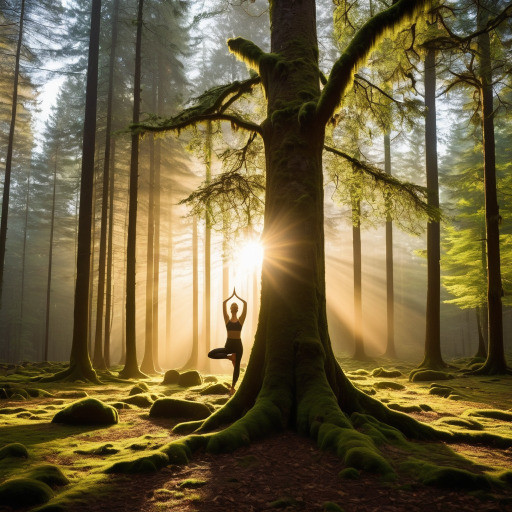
[[88, 411], [175, 408]]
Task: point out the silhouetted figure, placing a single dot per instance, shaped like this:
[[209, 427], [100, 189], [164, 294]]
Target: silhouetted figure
[[233, 348]]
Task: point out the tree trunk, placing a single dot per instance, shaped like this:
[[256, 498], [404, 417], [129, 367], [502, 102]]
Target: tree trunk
[[108, 297], [168, 288], [131, 367], [207, 247], [23, 260], [390, 293], [91, 270], [432, 358], [80, 367], [495, 362], [50, 258], [193, 359], [147, 365], [10, 146], [99, 350]]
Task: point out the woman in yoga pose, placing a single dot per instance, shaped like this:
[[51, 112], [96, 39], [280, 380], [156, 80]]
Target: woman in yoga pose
[[233, 348]]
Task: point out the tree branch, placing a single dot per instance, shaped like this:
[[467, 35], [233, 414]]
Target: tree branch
[[357, 51], [210, 106]]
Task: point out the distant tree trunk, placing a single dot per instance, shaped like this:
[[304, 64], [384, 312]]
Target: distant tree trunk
[[193, 359], [93, 252], [432, 358], [99, 358], [108, 298], [168, 291], [147, 365], [122, 361], [225, 259], [495, 362], [23, 260], [10, 145], [390, 294], [359, 352], [50, 258], [481, 352], [207, 245], [156, 253], [80, 364], [131, 368]]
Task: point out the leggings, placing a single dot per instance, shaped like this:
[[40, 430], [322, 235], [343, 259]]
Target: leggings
[[232, 346]]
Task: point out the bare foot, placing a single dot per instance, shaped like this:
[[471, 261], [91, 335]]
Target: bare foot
[[231, 391]]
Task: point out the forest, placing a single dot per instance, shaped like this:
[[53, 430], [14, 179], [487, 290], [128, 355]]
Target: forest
[[255, 255]]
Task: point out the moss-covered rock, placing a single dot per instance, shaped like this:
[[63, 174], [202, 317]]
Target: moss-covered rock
[[13, 450], [143, 400], [121, 405], [171, 377], [105, 449], [190, 378], [192, 483], [17, 397], [215, 389], [349, 474], [175, 408], [145, 464], [88, 411], [187, 427], [49, 474], [38, 393], [426, 408], [461, 422], [443, 391], [388, 385], [428, 375], [405, 408], [24, 492], [389, 374], [210, 378], [79, 393], [136, 390], [494, 414]]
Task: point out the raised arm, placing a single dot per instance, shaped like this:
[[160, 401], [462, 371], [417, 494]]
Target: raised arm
[[244, 311], [225, 311]]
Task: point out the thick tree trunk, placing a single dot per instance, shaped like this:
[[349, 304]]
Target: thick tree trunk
[[495, 362], [390, 293], [50, 259], [91, 267], [10, 145], [23, 260], [131, 367], [194, 356], [432, 358], [80, 364]]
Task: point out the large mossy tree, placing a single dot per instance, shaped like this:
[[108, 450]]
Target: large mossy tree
[[293, 377]]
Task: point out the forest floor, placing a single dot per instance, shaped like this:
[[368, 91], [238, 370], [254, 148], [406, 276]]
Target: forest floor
[[284, 472]]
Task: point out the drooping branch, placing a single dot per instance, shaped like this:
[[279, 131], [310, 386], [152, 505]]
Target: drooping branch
[[209, 106], [358, 50], [409, 196], [247, 52]]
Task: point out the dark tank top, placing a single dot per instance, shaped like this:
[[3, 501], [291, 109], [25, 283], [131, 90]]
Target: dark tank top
[[234, 326]]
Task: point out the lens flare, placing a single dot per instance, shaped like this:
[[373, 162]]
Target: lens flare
[[249, 255]]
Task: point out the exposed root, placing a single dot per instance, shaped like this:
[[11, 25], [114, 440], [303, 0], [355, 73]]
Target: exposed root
[[75, 373]]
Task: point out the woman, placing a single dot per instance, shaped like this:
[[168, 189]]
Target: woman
[[233, 348]]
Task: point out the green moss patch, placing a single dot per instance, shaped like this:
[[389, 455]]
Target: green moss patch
[[349, 474], [13, 450], [176, 408], [428, 375], [494, 414], [390, 374], [187, 427], [171, 377], [438, 390], [142, 400], [88, 411], [283, 502], [460, 422], [24, 492], [210, 378], [215, 389], [145, 464], [190, 378], [49, 474], [136, 390], [405, 408], [12, 410], [192, 483], [72, 394], [105, 449], [384, 384]]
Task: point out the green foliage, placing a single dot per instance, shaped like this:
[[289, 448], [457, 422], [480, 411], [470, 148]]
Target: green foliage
[[88, 411]]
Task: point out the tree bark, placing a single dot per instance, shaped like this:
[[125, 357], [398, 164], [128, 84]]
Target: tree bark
[[207, 246], [194, 356], [432, 358], [10, 145], [23, 260], [131, 367], [80, 367], [50, 259], [390, 294], [359, 352], [495, 362], [168, 288]]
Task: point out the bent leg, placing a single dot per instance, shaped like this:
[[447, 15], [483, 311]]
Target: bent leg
[[236, 369], [218, 353]]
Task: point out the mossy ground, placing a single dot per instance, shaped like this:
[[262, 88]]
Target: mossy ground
[[84, 452]]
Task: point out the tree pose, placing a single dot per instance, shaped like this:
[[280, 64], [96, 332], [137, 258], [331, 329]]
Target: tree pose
[[233, 349]]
